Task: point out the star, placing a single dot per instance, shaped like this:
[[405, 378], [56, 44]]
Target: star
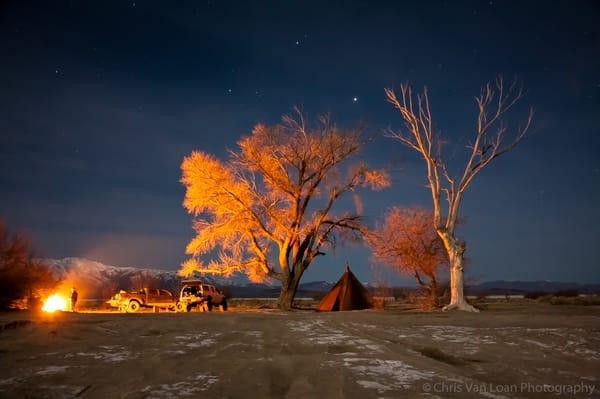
[[229, 91], [56, 71], [297, 42], [355, 99]]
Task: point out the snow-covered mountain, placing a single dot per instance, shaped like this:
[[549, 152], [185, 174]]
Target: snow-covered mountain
[[98, 280], [97, 272]]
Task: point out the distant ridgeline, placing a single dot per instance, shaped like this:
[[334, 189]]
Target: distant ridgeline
[[100, 281]]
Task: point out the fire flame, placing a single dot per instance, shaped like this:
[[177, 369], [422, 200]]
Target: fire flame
[[55, 302]]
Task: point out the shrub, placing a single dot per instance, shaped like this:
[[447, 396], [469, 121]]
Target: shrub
[[423, 299], [21, 275], [379, 303], [567, 293], [535, 294], [593, 300]]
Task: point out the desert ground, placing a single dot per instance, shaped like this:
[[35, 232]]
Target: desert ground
[[529, 351]]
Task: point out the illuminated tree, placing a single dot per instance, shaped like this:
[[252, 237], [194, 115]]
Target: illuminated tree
[[268, 211], [408, 243], [492, 138], [21, 275]]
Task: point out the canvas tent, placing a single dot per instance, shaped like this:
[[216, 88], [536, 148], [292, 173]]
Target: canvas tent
[[347, 294]]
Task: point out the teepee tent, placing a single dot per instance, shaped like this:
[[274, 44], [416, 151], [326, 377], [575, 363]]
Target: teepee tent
[[347, 294]]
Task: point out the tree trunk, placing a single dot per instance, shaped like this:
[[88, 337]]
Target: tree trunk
[[456, 252], [288, 291], [433, 288]]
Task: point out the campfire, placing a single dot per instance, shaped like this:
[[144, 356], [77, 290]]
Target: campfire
[[55, 302]]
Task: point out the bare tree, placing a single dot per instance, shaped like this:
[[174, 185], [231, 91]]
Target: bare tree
[[492, 138], [269, 210], [21, 274], [113, 280], [144, 279], [408, 243]]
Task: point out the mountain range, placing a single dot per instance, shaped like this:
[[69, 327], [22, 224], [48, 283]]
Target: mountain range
[[98, 280]]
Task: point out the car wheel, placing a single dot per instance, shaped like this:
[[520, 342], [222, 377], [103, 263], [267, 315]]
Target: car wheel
[[224, 305], [209, 304], [133, 307], [180, 307]]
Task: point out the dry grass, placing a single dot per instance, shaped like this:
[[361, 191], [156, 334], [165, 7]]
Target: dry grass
[[593, 300]]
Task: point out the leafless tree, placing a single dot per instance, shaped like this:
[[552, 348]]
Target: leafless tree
[[144, 279], [113, 280], [492, 139], [21, 274]]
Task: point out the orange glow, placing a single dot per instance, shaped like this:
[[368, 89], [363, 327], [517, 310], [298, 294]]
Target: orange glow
[[55, 302]]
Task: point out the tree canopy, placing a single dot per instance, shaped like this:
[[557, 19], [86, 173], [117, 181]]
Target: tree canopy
[[268, 211], [407, 242]]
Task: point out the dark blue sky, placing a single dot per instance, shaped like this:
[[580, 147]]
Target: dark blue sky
[[99, 103]]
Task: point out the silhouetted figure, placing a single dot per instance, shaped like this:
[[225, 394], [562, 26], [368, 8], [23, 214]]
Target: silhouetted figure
[[73, 299]]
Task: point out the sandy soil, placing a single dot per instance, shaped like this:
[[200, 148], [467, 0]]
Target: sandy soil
[[506, 351]]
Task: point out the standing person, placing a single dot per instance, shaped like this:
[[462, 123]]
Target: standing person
[[73, 299]]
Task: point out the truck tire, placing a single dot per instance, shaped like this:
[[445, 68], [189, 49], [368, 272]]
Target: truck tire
[[180, 307], [224, 305], [133, 306]]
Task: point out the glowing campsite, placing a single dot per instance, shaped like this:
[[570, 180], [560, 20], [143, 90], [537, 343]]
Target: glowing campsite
[[284, 199]]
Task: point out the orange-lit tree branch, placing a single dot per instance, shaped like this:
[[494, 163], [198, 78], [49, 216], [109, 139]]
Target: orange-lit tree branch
[[268, 210], [407, 242]]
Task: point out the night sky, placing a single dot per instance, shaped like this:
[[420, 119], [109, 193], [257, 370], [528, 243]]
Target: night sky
[[100, 101]]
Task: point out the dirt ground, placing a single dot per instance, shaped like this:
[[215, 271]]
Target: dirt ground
[[530, 351]]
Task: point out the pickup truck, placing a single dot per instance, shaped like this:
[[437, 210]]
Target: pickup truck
[[195, 294], [132, 301]]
